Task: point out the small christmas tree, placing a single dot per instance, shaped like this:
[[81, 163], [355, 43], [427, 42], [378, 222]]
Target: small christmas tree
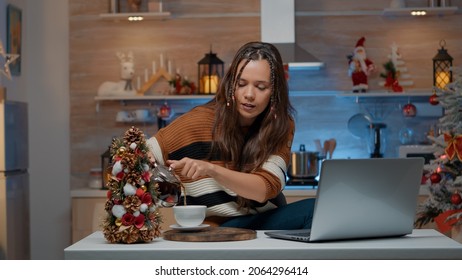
[[444, 204], [132, 214], [395, 73]]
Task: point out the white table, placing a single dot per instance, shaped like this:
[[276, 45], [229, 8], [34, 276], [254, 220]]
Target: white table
[[421, 244]]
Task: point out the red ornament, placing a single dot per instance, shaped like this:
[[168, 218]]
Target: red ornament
[[456, 199], [435, 178], [409, 110], [139, 192], [423, 180], [286, 71], [434, 99], [396, 87], [164, 111]]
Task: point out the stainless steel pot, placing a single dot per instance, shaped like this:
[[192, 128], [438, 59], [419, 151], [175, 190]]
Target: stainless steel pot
[[303, 164]]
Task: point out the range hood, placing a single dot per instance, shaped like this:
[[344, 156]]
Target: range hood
[[278, 28]]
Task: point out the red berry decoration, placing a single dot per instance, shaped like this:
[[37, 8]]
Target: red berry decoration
[[409, 110], [435, 178], [456, 199], [434, 99]]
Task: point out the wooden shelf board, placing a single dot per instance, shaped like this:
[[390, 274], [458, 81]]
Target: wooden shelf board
[[431, 11], [151, 97]]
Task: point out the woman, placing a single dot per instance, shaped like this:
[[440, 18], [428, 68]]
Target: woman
[[231, 153]]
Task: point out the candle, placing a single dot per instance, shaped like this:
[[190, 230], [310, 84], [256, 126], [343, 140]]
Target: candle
[[160, 6], [169, 67], [442, 79], [138, 82], [154, 70], [145, 75], [210, 84], [161, 60], [178, 70]]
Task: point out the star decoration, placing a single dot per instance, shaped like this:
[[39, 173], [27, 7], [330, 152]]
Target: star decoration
[[9, 58]]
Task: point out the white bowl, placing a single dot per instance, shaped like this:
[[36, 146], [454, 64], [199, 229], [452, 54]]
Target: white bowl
[[189, 215]]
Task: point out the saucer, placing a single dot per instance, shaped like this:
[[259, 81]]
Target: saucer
[[196, 228]]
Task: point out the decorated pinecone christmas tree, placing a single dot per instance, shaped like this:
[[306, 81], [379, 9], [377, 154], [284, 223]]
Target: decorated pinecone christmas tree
[[444, 204], [132, 214]]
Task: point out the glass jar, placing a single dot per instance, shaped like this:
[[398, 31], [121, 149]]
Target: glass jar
[[95, 180]]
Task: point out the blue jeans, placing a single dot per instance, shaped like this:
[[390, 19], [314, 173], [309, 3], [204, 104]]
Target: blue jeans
[[296, 215]]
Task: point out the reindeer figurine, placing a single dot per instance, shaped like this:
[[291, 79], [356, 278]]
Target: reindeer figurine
[[124, 86]]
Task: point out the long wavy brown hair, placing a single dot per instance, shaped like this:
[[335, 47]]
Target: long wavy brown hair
[[246, 152]]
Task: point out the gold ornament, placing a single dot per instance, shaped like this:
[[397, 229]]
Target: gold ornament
[[121, 151]]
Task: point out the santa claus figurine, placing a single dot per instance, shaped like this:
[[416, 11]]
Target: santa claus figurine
[[360, 67]]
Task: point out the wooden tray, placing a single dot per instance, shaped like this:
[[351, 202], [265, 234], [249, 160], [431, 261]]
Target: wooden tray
[[211, 234]]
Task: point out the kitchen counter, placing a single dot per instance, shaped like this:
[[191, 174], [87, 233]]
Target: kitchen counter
[[421, 244]]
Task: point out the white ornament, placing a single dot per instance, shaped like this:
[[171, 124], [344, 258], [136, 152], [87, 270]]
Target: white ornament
[[136, 213], [143, 207], [133, 146], [129, 189], [118, 211], [124, 85]]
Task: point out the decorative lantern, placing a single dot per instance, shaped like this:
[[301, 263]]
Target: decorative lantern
[[442, 63], [210, 71], [105, 163]]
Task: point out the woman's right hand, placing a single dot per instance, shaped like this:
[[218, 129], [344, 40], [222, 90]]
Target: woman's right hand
[[191, 168]]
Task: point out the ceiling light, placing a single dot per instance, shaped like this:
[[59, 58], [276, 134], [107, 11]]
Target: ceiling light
[[418, 12], [135, 18]]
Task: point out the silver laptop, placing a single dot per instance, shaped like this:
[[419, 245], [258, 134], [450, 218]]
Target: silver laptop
[[362, 198]]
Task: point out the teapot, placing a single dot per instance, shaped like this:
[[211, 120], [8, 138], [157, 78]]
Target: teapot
[[169, 186]]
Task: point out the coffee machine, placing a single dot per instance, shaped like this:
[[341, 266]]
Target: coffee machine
[[377, 140]]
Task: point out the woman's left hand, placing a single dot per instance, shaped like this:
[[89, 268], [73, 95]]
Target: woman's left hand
[[191, 168]]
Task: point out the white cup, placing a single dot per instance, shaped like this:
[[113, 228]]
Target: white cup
[[142, 114], [189, 215], [122, 116]]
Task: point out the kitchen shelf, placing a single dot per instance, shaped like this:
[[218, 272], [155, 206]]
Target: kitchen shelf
[[125, 98], [388, 97], [430, 11], [387, 94], [168, 15], [196, 97], [146, 16]]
